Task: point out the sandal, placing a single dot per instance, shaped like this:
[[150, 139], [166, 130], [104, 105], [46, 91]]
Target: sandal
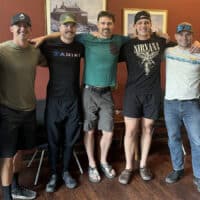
[[93, 174], [108, 171]]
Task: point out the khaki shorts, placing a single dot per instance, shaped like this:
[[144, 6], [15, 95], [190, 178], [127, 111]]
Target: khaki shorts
[[98, 110]]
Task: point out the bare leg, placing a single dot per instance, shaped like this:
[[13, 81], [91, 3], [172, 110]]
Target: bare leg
[[17, 166], [17, 162], [105, 143], [6, 171], [6, 174], [147, 128], [89, 146], [130, 140]]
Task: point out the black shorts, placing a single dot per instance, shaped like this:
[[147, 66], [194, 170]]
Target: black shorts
[[17, 131], [142, 106]]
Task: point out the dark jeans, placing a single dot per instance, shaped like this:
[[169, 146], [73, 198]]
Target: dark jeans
[[63, 124]]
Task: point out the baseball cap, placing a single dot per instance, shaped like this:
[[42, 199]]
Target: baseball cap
[[21, 17], [66, 17], [184, 26], [142, 15]]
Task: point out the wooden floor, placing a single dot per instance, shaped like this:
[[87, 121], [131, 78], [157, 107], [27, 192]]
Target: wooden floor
[[107, 189]]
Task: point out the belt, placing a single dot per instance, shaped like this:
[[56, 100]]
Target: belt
[[97, 89], [183, 100]]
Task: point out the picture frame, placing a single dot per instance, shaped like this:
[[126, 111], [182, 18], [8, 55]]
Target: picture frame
[[84, 11], [158, 18]]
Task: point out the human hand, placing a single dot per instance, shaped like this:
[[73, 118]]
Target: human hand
[[195, 48], [95, 34], [37, 41]]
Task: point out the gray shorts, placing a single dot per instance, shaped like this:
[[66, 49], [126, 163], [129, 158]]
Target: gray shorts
[[98, 110]]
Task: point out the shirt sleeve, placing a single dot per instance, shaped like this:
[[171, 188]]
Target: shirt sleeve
[[80, 37], [122, 53], [42, 60], [170, 44], [125, 39]]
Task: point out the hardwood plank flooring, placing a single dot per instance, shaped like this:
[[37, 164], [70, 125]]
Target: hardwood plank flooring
[[157, 189]]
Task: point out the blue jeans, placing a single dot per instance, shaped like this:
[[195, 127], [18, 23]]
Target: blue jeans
[[188, 112]]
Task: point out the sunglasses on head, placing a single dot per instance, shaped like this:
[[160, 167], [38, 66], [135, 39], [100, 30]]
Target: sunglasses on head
[[184, 27]]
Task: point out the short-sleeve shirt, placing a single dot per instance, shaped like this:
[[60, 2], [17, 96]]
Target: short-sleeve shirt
[[101, 57], [64, 67], [143, 58], [17, 75], [182, 74]]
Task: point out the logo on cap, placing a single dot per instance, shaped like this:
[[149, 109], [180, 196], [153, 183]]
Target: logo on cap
[[185, 26], [65, 18], [21, 16]]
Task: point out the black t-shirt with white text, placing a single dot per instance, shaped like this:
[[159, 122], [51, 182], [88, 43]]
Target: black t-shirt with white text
[[64, 67]]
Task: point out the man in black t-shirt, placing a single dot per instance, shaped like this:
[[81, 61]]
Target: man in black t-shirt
[[62, 115], [143, 92]]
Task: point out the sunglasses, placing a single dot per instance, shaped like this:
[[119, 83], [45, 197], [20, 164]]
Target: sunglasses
[[183, 27]]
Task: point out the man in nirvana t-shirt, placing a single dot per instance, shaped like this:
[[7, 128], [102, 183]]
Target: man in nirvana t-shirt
[[143, 92]]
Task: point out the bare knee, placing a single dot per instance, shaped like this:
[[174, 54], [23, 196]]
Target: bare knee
[[107, 135], [147, 126], [147, 129], [6, 164]]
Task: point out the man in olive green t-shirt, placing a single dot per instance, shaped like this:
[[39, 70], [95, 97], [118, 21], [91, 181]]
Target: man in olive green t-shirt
[[18, 61]]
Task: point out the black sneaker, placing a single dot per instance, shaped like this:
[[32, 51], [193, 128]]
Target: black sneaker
[[23, 193], [197, 183], [69, 181], [174, 176], [51, 185]]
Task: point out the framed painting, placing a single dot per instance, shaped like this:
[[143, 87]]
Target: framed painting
[[158, 17], [85, 12]]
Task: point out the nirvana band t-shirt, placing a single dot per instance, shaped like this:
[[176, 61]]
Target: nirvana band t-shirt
[[143, 58]]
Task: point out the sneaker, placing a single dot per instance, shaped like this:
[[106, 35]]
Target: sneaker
[[23, 193], [174, 176], [125, 176], [69, 181], [94, 175], [146, 174], [197, 183], [51, 185]]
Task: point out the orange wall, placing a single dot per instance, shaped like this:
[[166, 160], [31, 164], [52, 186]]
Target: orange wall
[[178, 11]]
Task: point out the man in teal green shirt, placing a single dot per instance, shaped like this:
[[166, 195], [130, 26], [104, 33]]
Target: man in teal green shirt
[[101, 57]]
